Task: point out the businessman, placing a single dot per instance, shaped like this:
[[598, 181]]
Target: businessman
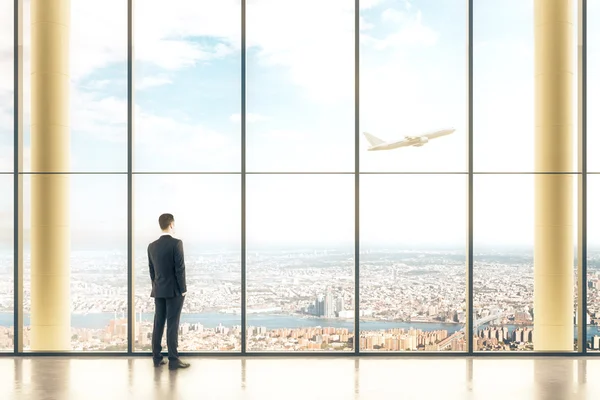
[[167, 273]]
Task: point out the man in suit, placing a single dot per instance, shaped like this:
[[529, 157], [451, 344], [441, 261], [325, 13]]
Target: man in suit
[[167, 273]]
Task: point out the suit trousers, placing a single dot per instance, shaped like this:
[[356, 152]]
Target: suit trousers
[[169, 310]]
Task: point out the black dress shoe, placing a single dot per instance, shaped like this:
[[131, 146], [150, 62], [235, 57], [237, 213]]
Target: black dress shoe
[[178, 364], [158, 364]]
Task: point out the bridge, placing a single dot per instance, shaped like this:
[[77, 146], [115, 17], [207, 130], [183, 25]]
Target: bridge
[[485, 320], [446, 343]]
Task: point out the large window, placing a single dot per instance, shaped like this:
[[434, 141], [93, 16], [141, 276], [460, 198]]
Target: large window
[[6, 179], [6, 85], [208, 221], [412, 262], [503, 262], [187, 86], [300, 85], [98, 262], [593, 84], [593, 198], [295, 202], [593, 264], [503, 285], [413, 86], [6, 264], [504, 86], [300, 261]]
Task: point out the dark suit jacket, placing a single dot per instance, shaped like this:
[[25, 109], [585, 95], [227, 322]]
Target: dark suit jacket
[[167, 268]]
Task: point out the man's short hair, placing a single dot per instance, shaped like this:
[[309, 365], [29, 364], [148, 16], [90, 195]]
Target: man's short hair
[[165, 220]]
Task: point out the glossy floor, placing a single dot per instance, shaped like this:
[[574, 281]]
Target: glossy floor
[[301, 378]]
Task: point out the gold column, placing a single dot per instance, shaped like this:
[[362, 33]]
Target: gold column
[[50, 152], [553, 256]]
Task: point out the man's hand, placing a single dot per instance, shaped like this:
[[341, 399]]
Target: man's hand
[[183, 294]]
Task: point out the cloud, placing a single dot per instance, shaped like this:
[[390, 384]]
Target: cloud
[[363, 25], [316, 49], [285, 134], [206, 207], [366, 4], [169, 36], [152, 81], [152, 130], [411, 33], [104, 117], [6, 158], [250, 117], [97, 84], [168, 144], [393, 15], [299, 209], [164, 36]]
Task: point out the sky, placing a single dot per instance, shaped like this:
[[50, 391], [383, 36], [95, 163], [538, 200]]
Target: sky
[[300, 104]]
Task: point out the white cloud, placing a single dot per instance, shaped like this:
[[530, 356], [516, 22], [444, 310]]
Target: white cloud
[[285, 134], [6, 160], [250, 117], [316, 48], [366, 4], [394, 16], [206, 208], [411, 207], [163, 35], [363, 25], [97, 84], [412, 32], [153, 81], [300, 209], [168, 144], [152, 130], [99, 116]]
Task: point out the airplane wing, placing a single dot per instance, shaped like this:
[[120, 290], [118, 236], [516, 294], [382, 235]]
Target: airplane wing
[[408, 141]]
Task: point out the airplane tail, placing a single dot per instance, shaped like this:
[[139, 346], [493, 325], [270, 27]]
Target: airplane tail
[[374, 141]]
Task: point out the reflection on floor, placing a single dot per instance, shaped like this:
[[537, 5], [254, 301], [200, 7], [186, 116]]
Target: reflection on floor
[[301, 378]]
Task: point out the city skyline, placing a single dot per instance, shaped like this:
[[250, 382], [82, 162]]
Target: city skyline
[[399, 290]]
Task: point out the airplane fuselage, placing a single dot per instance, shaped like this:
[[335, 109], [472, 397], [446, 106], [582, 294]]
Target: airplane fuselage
[[411, 141]]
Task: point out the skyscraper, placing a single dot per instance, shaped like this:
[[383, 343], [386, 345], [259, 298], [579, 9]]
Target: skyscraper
[[329, 310]]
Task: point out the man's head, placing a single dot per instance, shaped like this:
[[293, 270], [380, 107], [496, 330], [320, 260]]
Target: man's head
[[166, 222]]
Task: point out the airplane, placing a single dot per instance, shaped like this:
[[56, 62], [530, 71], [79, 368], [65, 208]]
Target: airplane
[[415, 141]]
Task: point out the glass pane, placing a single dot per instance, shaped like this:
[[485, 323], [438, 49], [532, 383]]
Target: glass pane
[[413, 262], [6, 263], [98, 87], [98, 257], [188, 86], [207, 216], [413, 95], [300, 262], [300, 85], [593, 263], [6, 85], [503, 275], [593, 84], [504, 86]]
